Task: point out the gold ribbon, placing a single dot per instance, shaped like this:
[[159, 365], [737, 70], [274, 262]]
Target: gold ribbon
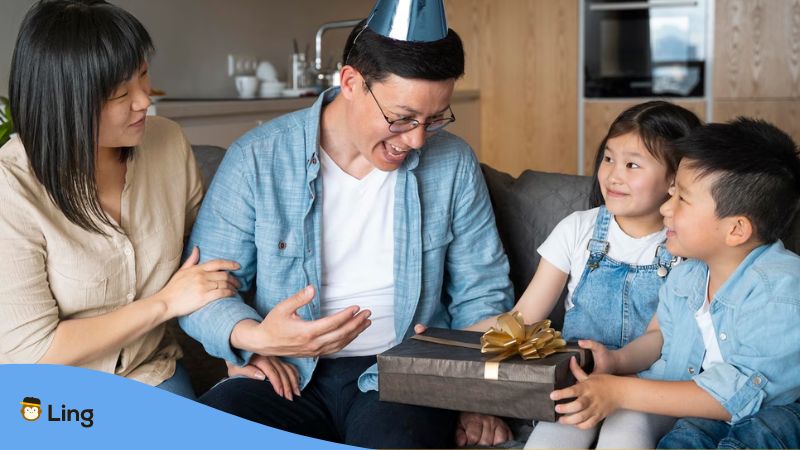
[[511, 336]]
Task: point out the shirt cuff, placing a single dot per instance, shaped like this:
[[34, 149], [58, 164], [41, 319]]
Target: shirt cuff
[[739, 394], [213, 325]]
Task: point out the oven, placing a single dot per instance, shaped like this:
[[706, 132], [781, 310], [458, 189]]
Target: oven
[[654, 48]]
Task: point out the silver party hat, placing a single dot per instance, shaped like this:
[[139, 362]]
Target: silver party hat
[[409, 20]]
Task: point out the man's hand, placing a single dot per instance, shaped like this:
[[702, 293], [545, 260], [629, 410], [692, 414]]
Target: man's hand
[[604, 359], [480, 429], [284, 333], [595, 398], [282, 375]]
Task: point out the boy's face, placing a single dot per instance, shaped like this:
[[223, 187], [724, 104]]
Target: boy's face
[[693, 229]]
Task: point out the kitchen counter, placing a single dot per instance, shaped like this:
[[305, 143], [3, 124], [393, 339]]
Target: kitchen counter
[[204, 107], [221, 121]]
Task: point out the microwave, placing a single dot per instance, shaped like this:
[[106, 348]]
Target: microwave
[[654, 48]]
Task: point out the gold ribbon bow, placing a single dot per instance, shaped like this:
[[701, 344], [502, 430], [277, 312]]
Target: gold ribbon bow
[[511, 336]]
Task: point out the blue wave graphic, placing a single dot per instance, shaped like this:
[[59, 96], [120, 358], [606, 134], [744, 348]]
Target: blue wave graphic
[[124, 414]]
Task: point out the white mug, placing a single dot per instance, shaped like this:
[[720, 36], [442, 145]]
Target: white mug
[[247, 86]]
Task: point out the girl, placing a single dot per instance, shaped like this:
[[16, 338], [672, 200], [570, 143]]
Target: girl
[[96, 199], [612, 259]]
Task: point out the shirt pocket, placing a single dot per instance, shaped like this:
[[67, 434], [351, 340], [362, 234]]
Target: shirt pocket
[[280, 260], [161, 253], [436, 241], [77, 293]]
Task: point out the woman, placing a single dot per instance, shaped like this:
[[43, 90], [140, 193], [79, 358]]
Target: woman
[[96, 199]]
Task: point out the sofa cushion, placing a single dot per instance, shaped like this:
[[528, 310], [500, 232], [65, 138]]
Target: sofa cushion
[[527, 209]]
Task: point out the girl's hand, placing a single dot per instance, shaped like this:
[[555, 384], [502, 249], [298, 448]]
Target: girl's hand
[[282, 375], [595, 398], [194, 286], [604, 359]]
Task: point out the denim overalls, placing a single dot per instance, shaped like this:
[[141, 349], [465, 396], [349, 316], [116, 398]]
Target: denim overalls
[[613, 301]]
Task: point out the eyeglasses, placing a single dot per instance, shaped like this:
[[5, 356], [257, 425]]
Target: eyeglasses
[[403, 125]]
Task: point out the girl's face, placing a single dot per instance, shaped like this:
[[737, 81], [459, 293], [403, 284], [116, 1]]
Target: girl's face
[[123, 115], [633, 182]]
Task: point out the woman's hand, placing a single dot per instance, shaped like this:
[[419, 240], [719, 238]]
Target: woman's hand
[[282, 375], [194, 286], [595, 397]]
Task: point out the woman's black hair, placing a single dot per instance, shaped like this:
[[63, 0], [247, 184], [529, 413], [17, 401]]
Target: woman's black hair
[[376, 56], [69, 58], [658, 124]]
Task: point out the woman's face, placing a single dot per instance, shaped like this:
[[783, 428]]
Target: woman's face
[[123, 115]]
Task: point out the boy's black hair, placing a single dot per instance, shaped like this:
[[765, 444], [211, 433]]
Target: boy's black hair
[[757, 168], [69, 57], [376, 56], [657, 123]]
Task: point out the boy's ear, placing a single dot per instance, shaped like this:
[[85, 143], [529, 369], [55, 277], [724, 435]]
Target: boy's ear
[[740, 230]]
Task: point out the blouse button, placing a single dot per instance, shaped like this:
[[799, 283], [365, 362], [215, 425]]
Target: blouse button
[[130, 296], [127, 251], [723, 336], [313, 160], [691, 370], [757, 380], [281, 245]]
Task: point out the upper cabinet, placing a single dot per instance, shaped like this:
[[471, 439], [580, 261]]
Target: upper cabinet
[[757, 49], [522, 55]]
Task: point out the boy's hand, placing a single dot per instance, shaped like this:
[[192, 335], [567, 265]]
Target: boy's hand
[[604, 359], [595, 398]]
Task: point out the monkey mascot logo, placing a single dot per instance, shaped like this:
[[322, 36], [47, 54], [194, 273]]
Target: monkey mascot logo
[[31, 408]]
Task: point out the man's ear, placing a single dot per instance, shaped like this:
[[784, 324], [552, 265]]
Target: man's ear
[[740, 230], [350, 80]]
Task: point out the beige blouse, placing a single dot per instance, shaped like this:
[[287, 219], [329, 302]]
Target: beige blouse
[[51, 270]]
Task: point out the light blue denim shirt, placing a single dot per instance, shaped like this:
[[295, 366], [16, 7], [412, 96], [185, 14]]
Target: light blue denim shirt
[[263, 210], [756, 317]]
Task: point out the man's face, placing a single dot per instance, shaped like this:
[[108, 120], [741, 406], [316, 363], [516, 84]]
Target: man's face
[[399, 98], [693, 228]]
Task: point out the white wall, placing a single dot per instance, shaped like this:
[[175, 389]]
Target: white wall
[[194, 37]]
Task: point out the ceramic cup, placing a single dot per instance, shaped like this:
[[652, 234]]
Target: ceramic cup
[[247, 86]]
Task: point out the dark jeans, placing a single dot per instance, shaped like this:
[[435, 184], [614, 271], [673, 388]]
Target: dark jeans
[[772, 427], [334, 409]]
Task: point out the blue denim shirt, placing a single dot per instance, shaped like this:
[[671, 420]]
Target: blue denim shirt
[[756, 316], [263, 210]]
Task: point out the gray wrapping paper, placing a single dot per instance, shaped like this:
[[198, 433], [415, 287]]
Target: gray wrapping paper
[[449, 377]]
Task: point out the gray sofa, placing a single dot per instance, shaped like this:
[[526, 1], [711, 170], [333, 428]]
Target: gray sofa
[[527, 208]]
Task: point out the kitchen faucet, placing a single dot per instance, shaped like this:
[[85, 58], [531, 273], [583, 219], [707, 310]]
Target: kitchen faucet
[[318, 41]]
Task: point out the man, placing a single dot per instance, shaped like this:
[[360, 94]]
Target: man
[[379, 220]]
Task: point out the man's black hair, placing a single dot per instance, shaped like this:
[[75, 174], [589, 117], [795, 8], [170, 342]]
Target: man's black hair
[[376, 56]]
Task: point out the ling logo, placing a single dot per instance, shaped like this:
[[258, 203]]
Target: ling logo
[[31, 408]]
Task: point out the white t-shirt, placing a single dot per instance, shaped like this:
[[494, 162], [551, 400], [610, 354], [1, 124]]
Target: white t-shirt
[[702, 316], [566, 247], [358, 252]]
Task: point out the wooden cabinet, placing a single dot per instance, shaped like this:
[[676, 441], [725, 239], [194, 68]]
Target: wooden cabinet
[[757, 49], [783, 113], [757, 62], [522, 55]]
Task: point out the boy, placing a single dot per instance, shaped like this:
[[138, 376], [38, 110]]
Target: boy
[[726, 326]]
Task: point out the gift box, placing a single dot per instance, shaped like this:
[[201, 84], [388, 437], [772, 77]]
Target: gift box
[[440, 373]]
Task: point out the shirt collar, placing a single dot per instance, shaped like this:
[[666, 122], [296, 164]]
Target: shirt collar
[[732, 293]]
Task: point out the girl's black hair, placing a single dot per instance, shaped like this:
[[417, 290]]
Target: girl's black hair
[[69, 58], [658, 124]]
